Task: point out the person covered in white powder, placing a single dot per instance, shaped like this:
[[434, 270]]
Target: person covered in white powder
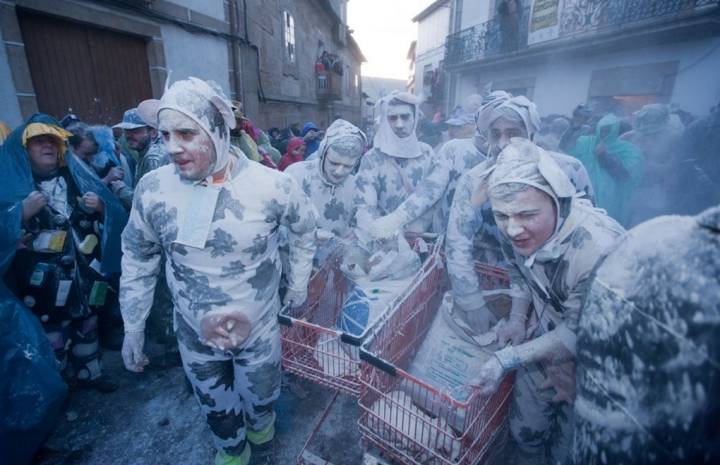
[[216, 216]]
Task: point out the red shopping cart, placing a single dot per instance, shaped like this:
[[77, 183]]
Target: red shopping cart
[[313, 347], [406, 418]]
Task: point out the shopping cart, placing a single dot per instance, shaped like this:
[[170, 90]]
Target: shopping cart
[[409, 420], [313, 347]]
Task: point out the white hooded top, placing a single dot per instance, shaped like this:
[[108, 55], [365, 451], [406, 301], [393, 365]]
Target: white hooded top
[[386, 140]]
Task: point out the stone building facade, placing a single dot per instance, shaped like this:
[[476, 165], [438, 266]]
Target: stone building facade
[[97, 58]]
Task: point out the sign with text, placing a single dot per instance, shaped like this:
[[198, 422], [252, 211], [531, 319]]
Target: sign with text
[[544, 21]]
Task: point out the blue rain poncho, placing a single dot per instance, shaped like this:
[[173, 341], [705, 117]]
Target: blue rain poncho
[[32, 391], [614, 194]]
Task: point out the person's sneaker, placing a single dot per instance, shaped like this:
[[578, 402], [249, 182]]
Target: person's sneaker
[[102, 383], [263, 454]]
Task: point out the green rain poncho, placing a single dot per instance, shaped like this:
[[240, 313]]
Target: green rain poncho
[[612, 192]]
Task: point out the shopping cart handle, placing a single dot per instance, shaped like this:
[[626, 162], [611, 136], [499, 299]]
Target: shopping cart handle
[[285, 320], [378, 363], [350, 339]]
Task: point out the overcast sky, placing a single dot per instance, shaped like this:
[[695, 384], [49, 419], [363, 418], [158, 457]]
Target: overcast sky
[[384, 30]]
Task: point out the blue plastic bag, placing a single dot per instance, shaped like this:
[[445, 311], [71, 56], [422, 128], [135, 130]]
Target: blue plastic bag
[[355, 313]]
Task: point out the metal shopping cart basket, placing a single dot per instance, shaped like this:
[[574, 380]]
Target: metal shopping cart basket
[[312, 346], [423, 425]]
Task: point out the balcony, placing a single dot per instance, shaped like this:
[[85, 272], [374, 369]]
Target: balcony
[[578, 18], [498, 36], [328, 85]]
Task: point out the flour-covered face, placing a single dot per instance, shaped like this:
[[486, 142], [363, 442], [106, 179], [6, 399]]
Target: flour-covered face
[[528, 219], [190, 148], [401, 119], [337, 167], [501, 131]]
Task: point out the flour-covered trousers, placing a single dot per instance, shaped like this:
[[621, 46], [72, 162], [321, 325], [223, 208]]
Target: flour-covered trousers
[[542, 429], [236, 389]]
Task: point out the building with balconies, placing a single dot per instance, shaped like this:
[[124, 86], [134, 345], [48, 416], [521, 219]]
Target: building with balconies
[[433, 25], [616, 54]]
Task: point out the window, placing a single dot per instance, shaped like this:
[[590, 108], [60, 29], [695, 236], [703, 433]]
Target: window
[[357, 82], [289, 38]]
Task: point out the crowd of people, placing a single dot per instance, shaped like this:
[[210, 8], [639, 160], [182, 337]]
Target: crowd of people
[[187, 222]]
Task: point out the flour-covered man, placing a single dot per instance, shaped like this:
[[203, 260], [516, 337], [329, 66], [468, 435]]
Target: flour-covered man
[[329, 180], [397, 167], [553, 240], [472, 234], [216, 216]]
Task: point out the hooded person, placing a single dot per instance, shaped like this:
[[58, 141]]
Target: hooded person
[[472, 234], [553, 239], [329, 180], [579, 126], [56, 267], [556, 127], [242, 135], [614, 165], [311, 135], [95, 147], [221, 256], [296, 150], [271, 155], [660, 141], [700, 168], [648, 347], [462, 155], [400, 180]]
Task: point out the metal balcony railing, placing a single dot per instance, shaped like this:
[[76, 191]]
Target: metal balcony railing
[[497, 36], [501, 35], [594, 15]]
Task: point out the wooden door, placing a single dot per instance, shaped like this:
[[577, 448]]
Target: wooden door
[[95, 73]]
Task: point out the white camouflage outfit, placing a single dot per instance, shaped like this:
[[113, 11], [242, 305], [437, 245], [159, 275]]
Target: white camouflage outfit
[[220, 241], [471, 232], [334, 202], [555, 279], [394, 170]]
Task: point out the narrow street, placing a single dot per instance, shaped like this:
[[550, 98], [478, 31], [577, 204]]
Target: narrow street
[[154, 419]]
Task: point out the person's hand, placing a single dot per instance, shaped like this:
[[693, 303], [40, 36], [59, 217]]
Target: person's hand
[[93, 202], [32, 204], [117, 185], [511, 331], [385, 227], [132, 351], [323, 235], [561, 377], [116, 173], [225, 331], [489, 376], [294, 298]]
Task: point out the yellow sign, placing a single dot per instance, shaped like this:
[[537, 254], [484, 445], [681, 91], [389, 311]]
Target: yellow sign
[[544, 14]]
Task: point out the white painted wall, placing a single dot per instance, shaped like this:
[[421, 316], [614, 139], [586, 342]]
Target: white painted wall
[[197, 55], [212, 8], [563, 83], [474, 12], [433, 30], [9, 106]]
